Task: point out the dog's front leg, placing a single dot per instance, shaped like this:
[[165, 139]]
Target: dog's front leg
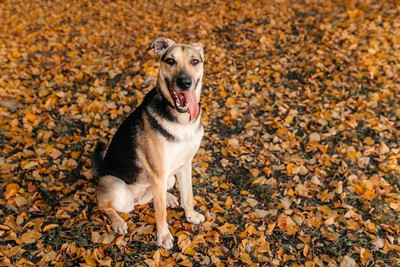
[[164, 236], [185, 185]]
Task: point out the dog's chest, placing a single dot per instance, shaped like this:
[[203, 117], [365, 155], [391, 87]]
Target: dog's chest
[[180, 152]]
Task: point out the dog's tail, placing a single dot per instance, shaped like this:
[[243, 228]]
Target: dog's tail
[[97, 160]]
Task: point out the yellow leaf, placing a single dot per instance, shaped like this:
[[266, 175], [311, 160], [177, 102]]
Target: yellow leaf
[[89, 260], [124, 216], [369, 195], [30, 237], [73, 53], [263, 247], [271, 228], [325, 209], [398, 113], [306, 250], [289, 119], [358, 188], [29, 165], [370, 227], [230, 102], [254, 172], [289, 168], [190, 251], [224, 186], [252, 230], [287, 225], [292, 230], [353, 15], [234, 113], [75, 154], [70, 164], [186, 262], [245, 257], [227, 229], [12, 188], [364, 255], [267, 171], [15, 53], [31, 117], [352, 225], [369, 141], [352, 155], [228, 202], [12, 251], [250, 123]]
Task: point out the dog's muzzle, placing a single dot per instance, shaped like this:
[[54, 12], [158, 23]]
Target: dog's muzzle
[[184, 82], [185, 100]]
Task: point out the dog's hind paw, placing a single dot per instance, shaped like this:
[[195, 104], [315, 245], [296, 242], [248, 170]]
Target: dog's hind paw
[[195, 218], [172, 201], [119, 226]]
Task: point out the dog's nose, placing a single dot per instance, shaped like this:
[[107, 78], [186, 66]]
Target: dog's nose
[[184, 82]]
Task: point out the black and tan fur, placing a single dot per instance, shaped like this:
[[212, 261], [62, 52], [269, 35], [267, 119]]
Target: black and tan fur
[[155, 144]]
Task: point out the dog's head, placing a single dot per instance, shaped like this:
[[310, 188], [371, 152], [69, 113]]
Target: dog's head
[[180, 74]]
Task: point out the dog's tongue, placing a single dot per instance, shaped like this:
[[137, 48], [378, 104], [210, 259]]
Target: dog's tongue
[[193, 106]]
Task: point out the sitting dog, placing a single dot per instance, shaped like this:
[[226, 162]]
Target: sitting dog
[[156, 143]]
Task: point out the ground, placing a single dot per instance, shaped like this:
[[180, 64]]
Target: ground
[[299, 165]]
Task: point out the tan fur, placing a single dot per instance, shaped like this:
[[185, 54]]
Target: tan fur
[[160, 159]]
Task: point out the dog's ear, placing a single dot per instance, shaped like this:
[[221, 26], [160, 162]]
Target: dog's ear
[[199, 48], [160, 45]]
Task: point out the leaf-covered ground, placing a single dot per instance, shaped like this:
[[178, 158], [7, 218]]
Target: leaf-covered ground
[[299, 165]]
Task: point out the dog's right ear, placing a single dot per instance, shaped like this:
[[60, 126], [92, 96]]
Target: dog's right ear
[[160, 45]]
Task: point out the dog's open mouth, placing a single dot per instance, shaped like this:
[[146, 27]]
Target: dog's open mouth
[[185, 102]]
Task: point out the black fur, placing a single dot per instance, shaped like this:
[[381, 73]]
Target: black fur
[[158, 128], [121, 159], [97, 159]]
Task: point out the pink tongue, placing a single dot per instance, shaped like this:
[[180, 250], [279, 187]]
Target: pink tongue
[[193, 106]]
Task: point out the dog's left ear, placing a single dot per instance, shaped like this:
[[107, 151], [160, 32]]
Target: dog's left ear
[[199, 48], [160, 45]]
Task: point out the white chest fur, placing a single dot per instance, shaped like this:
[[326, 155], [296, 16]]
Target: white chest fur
[[178, 153], [187, 137]]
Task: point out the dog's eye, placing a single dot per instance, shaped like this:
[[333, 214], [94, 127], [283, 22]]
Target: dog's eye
[[170, 61], [194, 62]]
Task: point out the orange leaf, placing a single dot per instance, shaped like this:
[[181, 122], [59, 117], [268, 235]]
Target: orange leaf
[[49, 226]]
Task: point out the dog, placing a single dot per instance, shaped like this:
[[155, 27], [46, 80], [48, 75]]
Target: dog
[[155, 143]]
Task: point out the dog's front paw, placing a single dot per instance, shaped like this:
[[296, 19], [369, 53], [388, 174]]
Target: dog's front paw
[[195, 217], [165, 240], [119, 226], [172, 201]]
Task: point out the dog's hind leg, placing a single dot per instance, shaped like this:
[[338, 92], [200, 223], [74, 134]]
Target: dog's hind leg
[[185, 186], [118, 224], [115, 196]]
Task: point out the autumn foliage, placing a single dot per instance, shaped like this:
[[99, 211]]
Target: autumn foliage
[[299, 165]]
